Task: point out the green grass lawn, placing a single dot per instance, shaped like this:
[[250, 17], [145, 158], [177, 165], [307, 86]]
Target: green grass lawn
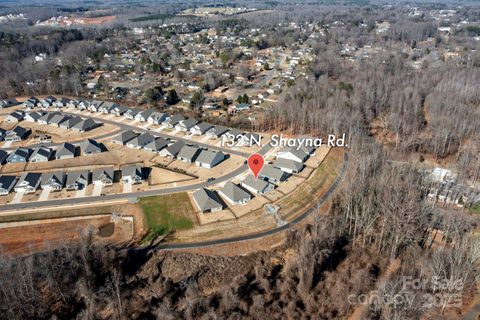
[[475, 208], [167, 213]]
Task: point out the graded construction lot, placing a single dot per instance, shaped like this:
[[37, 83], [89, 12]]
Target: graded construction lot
[[38, 235], [48, 228]]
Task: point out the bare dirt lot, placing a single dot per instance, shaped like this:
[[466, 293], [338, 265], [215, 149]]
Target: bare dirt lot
[[31, 236]]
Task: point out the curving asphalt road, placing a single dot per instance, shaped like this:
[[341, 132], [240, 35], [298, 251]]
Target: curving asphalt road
[[226, 177], [125, 126], [322, 200], [111, 197]]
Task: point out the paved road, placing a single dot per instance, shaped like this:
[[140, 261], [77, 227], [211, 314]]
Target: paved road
[[322, 200], [55, 144], [125, 126], [111, 197], [473, 314]]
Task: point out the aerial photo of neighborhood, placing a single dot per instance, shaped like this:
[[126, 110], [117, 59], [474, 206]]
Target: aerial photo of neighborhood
[[240, 159]]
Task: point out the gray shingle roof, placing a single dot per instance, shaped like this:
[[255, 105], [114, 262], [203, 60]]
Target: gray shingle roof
[[86, 125], [50, 178], [258, 185], [141, 140], [188, 123], [217, 130], [124, 137], [288, 164], [234, 192], [300, 154], [175, 148], [102, 173], [189, 153], [32, 179], [71, 122], [272, 173], [7, 182], [157, 145], [203, 126], [131, 170], [208, 156], [89, 146], [173, 120], [42, 151], [80, 177], [207, 200], [65, 149]]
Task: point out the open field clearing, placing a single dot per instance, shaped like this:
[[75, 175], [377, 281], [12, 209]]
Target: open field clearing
[[167, 213], [38, 235]]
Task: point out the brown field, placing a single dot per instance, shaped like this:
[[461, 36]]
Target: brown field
[[37, 235]]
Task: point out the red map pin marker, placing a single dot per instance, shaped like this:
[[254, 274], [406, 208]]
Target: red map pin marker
[[255, 163]]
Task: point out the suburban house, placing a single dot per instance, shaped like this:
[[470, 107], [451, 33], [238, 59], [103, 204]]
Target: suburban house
[[107, 106], [17, 134], [186, 124], [19, 155], [45, 119], [272, 174], [72, 103], [209, 158], [94, 106], [15, 116], [33, 116], [53, 180], [172, 150], [156, 145], [57, 119], [124, 137], [217, 131], [103, 176], [28, 182], [287, 165], [65, 151], [118, 110], [132, 174], [131, 113], [140, 141], [83, 105], [41, 154], [77, 180], [62, 102], [200, 128], [239, 107], [250, 138], [68, 124], [292, 154], [6, 184], [48, 101], [157, 118], [257, 186], [31, 103], [3, 156], [7, 103], [144, 115], [86, 125], [188, 154], [89, 146], [234, 194], [235, 134], [207, 200], [173, 121]]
